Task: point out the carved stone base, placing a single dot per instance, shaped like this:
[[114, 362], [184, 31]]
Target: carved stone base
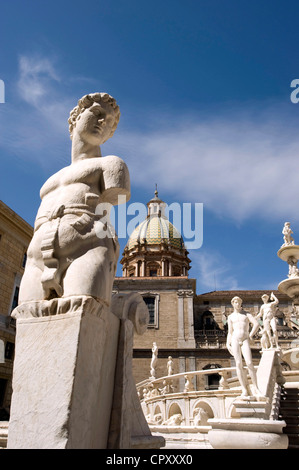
[[63, 376], [247, 434]]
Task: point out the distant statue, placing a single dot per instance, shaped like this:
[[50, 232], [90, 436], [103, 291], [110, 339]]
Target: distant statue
[[200, 417], [293, 269], [174, 420], [287, 234], [154, 360], [74, 249], [267, 312], [238, 344], [167, 387], [170, 366]]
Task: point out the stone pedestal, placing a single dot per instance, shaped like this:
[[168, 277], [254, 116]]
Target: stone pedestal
[[254, 429], [63, 376], [72, 375]]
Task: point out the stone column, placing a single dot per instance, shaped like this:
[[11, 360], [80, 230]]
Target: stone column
[[191, 339], [181, 335], [163, 266], [192, 367], [182, 368], [143, 268]]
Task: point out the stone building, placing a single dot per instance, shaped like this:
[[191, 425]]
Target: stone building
[[15, 235], [188, 327]]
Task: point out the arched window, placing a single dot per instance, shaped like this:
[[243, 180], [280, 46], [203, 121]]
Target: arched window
[[212, 380], [208, 322]]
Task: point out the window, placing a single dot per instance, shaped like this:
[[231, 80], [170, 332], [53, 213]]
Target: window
[[9, 350], [3, 384], [153, 272], [24, 260], [152, 302], [15, 299], [208, 321], [212, 380], [15, 296]]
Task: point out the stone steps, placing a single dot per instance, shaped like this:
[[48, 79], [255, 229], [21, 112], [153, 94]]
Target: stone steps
[[289, 412]]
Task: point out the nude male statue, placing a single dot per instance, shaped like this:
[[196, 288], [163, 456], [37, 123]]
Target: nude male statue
[[267, 311], [72, 252], [287, 234], [238, 344], [154, 359]]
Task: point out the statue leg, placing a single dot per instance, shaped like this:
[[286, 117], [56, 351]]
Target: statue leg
[[92, 273], [248, 359], [236, 349], [31, 286]]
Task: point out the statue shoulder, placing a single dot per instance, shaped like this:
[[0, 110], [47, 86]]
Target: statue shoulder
[[116, 179], [111, 161]]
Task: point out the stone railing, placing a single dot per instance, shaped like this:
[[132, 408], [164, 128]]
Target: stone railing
[[194, 411], [157, 396]]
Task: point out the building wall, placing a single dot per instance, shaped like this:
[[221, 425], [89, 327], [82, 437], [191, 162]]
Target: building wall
[[15, 236], [166, 332]]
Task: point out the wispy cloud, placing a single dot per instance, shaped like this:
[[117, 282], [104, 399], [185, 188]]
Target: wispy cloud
[[239, 164], [239, 167], [36, 75], [36, 129], [213, 272]]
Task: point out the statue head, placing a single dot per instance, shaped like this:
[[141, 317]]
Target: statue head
[[265, 298], [102, 105], [236, 302]]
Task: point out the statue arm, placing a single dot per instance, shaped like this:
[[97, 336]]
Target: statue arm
[[275, 299], [229, 336], [115, 180], [255, 326], [260, 313]]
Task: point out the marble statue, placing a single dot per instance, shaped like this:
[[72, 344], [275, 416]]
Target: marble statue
[[72, 252], [154, 360], [287, 234], [238, 344], [267, 312], [169, 366], [200, 417], [174, 420], [293, 269], [73, 386]]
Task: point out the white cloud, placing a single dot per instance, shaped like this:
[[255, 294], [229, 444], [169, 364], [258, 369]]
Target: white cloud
[[238, 167], [213, 272], [35, 78], [35, 128]]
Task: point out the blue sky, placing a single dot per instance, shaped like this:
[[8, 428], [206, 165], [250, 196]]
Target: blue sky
[[204, 93]]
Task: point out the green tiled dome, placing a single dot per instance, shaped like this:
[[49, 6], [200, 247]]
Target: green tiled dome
[[156, 229]]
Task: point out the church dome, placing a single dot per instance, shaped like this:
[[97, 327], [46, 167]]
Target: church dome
[[155, 247], [154, 230]]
